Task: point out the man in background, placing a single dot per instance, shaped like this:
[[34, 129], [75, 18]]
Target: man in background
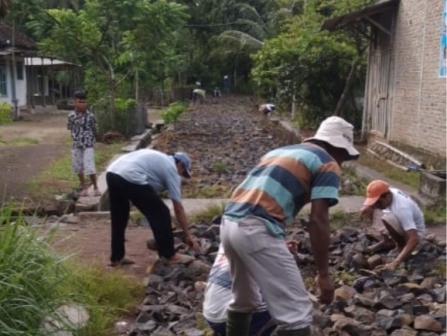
[[82, 125], [267, 109], [137, 177], [403, 220]]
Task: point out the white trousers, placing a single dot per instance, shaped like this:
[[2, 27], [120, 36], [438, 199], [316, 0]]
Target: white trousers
[[83, 161], [258, 261]]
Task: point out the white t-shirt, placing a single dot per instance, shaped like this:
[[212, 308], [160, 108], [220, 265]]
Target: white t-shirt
[[407, 212], [218, 294]]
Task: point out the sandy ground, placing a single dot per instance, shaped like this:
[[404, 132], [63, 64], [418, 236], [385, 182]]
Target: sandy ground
[[27, 147]]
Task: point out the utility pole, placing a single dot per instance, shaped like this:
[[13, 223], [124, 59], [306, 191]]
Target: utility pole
[[13, 77]]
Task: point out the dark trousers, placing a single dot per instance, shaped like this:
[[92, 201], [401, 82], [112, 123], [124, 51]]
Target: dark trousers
[[146, 200]]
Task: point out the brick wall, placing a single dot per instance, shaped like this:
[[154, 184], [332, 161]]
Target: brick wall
[[419, 96]]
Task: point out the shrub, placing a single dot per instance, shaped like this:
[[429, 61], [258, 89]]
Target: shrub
[[173, 112], [35, 281], [126, 112], [5, 113]]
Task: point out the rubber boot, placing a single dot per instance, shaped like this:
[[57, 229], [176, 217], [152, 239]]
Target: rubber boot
[[296, 332], [238, 324]]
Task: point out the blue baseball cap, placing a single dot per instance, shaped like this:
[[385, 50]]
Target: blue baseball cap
[[184, 159]]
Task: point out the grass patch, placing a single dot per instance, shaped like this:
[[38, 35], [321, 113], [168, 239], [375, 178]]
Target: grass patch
[[58, 177], [202, 325], [23, 141], [212, 191], [173, 112], [436, 214], [35, 281], [390, 171], [357, 185], [206, 215], [340, 219], [110, 294]]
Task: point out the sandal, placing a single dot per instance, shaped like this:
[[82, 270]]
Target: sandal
[[97, 193], [122, 262], [183, 259]]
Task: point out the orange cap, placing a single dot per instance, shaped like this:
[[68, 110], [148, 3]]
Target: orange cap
[[374, 190]]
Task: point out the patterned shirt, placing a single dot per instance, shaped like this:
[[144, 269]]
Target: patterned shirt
[[82, 127], [283, 182]]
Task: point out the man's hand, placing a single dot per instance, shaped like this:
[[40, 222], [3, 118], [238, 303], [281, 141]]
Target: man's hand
[[293, 246], [366, 212], [192, 243], [326, 289], [392, 265]]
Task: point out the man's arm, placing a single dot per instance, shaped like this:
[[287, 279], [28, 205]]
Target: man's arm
[[70, 122], [180, 215], [320, 235], [324, 193], [412, 239], [173, 185]]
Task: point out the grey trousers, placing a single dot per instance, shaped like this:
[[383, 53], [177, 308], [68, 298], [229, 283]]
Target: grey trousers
[[260, 262]]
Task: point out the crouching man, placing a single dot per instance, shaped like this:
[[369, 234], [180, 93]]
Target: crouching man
[[267, 109], [403, 220], [218, 298]]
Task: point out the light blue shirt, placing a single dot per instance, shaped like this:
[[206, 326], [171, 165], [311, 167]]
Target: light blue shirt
[[148, 166]]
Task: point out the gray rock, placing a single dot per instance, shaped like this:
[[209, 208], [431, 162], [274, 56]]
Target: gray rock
[[427, 323], [404, 331], [66, 320], [374, 261]]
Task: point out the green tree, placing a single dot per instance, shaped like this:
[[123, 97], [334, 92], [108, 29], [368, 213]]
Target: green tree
[[312, 65], [110, 38]]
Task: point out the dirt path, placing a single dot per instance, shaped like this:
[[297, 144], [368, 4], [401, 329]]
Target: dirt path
[[89, 242], [26, 148], [225, 138]]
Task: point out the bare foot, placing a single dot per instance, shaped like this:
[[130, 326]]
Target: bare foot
[[180, 259]]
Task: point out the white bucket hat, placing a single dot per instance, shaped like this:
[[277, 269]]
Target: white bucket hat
[[338, 133]]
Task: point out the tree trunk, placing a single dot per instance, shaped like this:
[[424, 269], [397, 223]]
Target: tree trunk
[[112, 89], [344, 96], [137, 86]]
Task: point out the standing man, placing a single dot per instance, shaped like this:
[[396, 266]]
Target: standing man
[[402, 218], [254, 222], [82, 124], [137, 177], [227, 84]]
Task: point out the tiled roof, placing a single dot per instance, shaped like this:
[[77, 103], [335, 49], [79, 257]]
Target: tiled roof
[[21, 40]]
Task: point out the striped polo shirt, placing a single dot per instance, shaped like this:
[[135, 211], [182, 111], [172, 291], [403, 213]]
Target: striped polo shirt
[[285, 180]]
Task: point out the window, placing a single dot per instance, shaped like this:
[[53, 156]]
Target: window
[[3, 80], [19, 68]]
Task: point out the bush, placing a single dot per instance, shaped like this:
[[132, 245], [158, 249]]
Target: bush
[[5, 113], [126, 111], [65, 105], [173, 112], [35, 281]]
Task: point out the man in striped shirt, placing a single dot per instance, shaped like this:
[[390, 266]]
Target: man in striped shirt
[[253, 228]]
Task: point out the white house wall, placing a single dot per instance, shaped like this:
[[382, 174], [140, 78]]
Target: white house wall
[[21, 87]]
